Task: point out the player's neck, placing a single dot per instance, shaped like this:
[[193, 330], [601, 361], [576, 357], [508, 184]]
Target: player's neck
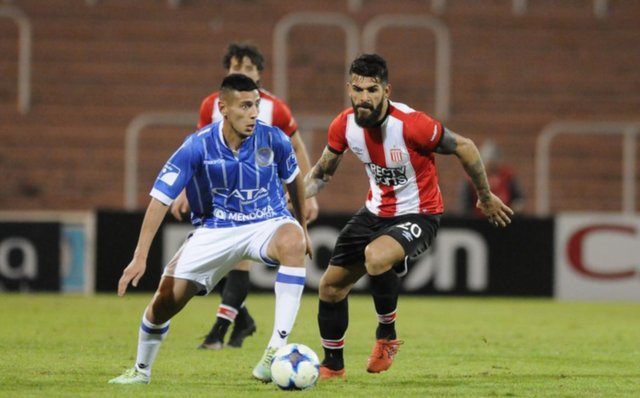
[[232, 138], [386, 108]]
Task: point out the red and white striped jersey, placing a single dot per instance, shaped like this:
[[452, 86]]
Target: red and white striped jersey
[[272, 111], [398, 157]]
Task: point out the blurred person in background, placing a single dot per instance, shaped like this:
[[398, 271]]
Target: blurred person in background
[[402, 212], [233, 172], [246, 59], [502, 182]]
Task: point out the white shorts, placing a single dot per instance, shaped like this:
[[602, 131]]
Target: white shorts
[[208, 254]]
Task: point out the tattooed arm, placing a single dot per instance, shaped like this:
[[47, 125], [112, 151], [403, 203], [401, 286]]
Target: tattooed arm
[[492, 207], [321, 172]]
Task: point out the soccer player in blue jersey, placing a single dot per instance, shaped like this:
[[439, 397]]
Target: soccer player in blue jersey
[[233, 172], [245, 58]]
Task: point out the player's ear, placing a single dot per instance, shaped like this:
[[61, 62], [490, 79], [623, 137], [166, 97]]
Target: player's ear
[[387, 90], [222, 107]]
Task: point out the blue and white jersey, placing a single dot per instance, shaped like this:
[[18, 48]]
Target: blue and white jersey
[[226, 189]]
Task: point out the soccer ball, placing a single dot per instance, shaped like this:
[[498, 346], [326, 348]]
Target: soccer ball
[[295, 367]]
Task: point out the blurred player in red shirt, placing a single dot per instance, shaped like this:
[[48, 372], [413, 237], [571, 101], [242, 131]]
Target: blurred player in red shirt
[[502, 182], [246, 59]]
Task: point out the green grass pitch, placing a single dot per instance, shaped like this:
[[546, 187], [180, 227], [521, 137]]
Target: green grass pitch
[[68, 345]]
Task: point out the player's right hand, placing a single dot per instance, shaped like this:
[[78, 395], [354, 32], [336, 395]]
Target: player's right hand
[[311, 209], [180, 206], [132, 273]]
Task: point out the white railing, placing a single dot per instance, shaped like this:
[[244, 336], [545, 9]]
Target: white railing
[[600, 7], [170, 3], [370, 33], [629, 131], [281, 36], [438, 6], [24, 55], [442, 56], [132, 138], [310, 123], [519, 7], [355, 5]]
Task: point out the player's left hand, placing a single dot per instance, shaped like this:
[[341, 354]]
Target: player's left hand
[[311, 208], [132, 273], [309, 248], [496, 211]]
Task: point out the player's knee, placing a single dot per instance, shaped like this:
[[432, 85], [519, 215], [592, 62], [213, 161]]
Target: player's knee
[[291, 247], [291, 244], [375, 260], [329, 292]]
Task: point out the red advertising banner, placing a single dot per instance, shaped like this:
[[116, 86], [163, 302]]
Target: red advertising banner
[[597, 257]]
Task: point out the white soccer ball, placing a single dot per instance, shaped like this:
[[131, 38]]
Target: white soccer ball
[[295, 367]]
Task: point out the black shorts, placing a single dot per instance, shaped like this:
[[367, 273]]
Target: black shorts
[[415, 232]]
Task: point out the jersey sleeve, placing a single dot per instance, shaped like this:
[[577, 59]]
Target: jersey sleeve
[[206, 111], [337, 140], [284, 157], [426, 132], [283, 119], [175, 173]]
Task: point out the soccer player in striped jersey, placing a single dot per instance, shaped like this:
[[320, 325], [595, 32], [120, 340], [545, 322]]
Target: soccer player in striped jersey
[[402, 211], [246, 59], [233, 173]]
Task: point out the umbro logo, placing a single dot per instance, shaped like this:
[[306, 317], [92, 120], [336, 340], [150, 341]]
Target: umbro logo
[[283, 333], [435, 132], [407, 235], [142, 366]]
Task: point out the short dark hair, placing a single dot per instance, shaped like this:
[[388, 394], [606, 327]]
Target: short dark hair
[[241, 50], [370, 65], [237, 82]]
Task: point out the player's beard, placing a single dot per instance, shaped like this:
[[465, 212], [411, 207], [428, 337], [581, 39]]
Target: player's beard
[[372, 119]]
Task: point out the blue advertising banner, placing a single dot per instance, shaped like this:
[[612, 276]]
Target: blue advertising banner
[[74, 239]]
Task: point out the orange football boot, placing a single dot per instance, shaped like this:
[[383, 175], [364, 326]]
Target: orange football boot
[[326, 373], [382, 355]]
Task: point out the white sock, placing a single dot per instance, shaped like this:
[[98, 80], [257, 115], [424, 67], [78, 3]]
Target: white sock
[[150, 337], [289, 286]]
